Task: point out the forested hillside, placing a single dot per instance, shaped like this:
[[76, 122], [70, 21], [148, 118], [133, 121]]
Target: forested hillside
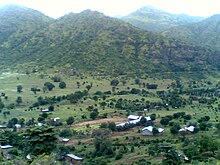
[[152, 19], [205, 33], [91, 41]]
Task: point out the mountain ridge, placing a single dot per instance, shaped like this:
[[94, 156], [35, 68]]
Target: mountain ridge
[[153, 19], [91, 41], [205, 33]]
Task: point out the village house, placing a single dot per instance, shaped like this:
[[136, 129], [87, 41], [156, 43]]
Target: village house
[[190, 129], [45, 110], [149, 130], [6, 147], [73, 159], [133, 119]]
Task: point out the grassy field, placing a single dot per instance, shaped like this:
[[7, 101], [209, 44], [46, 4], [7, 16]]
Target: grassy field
[[84, 126]]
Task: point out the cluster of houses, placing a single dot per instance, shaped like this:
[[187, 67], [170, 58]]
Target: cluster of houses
[[135, 119], [149, 130]]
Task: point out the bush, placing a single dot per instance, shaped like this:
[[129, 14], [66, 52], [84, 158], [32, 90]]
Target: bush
[[62, 85]]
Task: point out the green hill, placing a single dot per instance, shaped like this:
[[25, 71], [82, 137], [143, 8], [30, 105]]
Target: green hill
[[91, 41], [18, 19], [205, 33], [152, 19]]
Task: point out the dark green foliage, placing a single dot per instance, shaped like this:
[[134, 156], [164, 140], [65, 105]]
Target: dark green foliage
[[112, 126], [155, 131], [19, 88], [171, 158], [19, 100], [35, 90], [153, 116], [135, 91], [49, 86], [94, 113], [40, 140], [66, 133], [204, 33], [152, 86], [51, 108], [114, 82], [88, 87], [2, 105], [56, 79], [152, 19], [175, 128], [90, 41], [102, 142], [164, 121], [12, 122], [187, 117], [62, 85], [70, 120]]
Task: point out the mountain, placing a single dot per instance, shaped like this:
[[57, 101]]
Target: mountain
[[152, 19], [16, 19], [91, 41], [205, 33]]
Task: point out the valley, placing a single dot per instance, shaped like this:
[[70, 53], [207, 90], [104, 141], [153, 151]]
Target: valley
[[91, 89]]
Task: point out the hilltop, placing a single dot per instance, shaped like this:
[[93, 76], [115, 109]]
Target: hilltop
[[155, 20], [205, 33]]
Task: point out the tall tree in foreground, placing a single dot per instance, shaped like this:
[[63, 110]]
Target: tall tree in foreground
[[102, 142], [40, 140]]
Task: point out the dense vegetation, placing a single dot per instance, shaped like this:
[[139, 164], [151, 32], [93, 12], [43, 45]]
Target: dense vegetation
[[151, 19], [89, 108], [90, 41], [205, 33], [74, 81]]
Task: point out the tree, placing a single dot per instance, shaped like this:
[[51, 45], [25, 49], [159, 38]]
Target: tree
[[102, 142], [40, 140], [88, 87], [2, 105], [112, 126], [164, 121], [56, 79], [187, 117], [19, 88], [19, 100], [155, 131], [94, 114], [70, 120], [171, 158], [175, 128], [114, 82], [51, 108], [137, 81], [49, 86], [62, 85]]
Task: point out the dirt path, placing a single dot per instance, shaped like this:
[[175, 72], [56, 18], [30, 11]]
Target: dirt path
[[106, 120]]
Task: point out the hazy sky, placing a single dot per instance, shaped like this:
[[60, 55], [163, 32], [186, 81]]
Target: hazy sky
[[57, 8]]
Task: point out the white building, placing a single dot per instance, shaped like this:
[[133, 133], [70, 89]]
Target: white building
[[149, 130]]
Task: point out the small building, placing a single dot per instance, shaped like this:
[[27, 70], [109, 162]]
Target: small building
[[65, 140], [149, 130], [6, 147], [18, 126], [3, 126], [73, 159], [148, 118], [133, 117], [56, 119], [45, 110], [190, 128], [129, 122]]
